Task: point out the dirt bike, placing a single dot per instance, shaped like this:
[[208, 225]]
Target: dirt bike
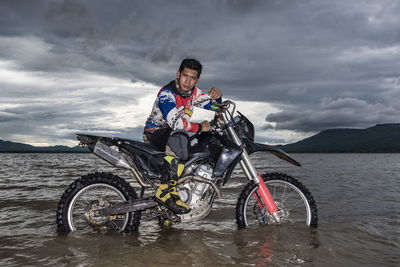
[[107, 202]]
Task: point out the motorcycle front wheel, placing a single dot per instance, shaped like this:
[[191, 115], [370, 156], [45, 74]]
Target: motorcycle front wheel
[[294, 202], [79, 205]]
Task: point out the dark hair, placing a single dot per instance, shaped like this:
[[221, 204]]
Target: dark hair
[[191, 63]]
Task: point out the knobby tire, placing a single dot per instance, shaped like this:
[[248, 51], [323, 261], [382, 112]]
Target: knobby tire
[[97, 178], [247, 193]]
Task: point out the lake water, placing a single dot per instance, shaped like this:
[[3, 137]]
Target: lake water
[[358, 198]]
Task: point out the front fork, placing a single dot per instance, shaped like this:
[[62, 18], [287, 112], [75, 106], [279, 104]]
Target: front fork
[[262, 194]]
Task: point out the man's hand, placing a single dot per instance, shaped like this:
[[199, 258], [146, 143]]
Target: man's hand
[[205, 126], [215, 93]]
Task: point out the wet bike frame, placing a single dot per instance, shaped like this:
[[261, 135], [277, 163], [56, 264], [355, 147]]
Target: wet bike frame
[[236, 138]]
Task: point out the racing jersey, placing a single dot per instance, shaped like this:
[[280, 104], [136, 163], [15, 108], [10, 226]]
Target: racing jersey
[[173, 109]]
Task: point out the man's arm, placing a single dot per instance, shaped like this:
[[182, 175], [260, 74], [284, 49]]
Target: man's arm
[[167, 105], [214, 94], [202, 100]]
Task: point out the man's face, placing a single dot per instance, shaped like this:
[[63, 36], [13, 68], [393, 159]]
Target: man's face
[[187, 79]]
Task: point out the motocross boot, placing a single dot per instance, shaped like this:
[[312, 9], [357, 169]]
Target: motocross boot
[[167, 195]]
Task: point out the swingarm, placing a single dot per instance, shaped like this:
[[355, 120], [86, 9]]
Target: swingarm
[[129, 206]]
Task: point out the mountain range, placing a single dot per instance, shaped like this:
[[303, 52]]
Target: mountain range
[[12, 147], [381, 138]]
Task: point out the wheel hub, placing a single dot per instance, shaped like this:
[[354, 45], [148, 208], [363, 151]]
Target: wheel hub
[[282, 212], [92, 214], [264, 217]]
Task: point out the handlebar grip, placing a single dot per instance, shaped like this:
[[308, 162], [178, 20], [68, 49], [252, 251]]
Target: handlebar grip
[[217, 105]]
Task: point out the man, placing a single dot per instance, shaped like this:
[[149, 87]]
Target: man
[[167, 126]]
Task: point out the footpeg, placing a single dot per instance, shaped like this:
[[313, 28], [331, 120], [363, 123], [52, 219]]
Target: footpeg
[[170, 215]]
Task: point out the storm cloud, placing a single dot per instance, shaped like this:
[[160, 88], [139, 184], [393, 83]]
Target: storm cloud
[[73, 66]]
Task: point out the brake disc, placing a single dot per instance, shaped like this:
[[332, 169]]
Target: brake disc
[[263, 216]]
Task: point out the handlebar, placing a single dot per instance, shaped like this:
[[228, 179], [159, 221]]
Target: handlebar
[[223, 105], [222, 109]]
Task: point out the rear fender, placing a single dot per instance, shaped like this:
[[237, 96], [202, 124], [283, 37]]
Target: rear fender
[[91, 140]]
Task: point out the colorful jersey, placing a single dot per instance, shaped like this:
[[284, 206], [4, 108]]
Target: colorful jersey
[[172, 109]]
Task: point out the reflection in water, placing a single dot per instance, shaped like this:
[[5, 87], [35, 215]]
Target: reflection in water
[[277, 245], [358, 223], [265, 254]]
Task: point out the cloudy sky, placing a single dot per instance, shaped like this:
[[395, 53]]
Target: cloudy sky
[[293, 67]]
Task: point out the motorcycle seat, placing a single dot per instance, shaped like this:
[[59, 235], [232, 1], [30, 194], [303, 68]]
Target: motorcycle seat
[[147, 158], [142, 146]]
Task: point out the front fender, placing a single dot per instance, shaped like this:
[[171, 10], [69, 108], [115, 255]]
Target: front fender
[[256, 147]]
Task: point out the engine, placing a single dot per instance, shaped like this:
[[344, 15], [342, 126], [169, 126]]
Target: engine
[[197, 194]]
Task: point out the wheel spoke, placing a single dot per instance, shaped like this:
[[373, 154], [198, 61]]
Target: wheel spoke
[[114, 225], [294, 205], [84, 199], [87, 227], [81, 204], [284, 200], [284, 193], [273, 195]]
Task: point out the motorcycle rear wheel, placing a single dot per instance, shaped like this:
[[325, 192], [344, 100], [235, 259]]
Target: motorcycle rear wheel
[[294, 202], [77, 209]]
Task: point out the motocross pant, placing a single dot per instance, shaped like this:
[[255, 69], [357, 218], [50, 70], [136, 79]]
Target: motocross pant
[[176, 145]]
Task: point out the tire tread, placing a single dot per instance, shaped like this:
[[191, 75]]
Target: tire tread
[[89, 179], [240, 205]]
